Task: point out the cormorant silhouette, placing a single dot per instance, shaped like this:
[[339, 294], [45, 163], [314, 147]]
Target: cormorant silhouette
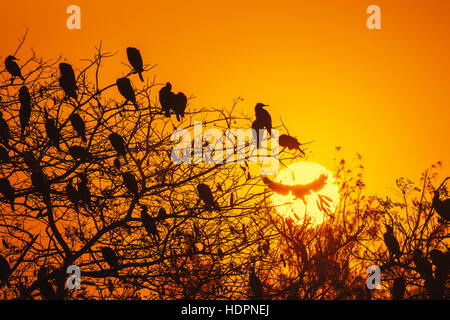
[[79, 153], [7, 191], [207, 197], [5, 269], [25, 108], [442, 207], [42, 185], [149, 223], [162, 213], [166, 99], [4, 156], [83, 190], [126, 90], [255, 284], [130, 183], [398, 289], [110, 257], [263, 117], [67, 80], [73, 195], [291, 143], [118, 144], [4, 131], [45, 287], [31, 162], [13, 68], [441, 261], [391, 242], [423, 266], [135, 59], [78, 125], [179, 105], [298, 190], [52, 131]]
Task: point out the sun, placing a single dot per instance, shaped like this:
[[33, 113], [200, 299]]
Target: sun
[[318, 205]]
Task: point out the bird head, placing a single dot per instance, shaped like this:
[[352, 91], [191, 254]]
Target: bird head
[[389, 229], [11, 58], [260, 105], [169, 85]]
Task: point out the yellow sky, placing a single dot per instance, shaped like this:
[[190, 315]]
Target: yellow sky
[[382, 93]]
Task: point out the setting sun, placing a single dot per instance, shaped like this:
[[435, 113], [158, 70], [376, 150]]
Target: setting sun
[[319, 198]]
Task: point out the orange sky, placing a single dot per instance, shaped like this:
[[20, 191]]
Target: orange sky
[[382, 93]]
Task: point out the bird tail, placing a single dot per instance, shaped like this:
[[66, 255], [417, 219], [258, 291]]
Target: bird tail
[[178, 118], [216, 206], [141, 77]]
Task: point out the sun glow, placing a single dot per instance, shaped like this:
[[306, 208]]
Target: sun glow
[[317, 205]]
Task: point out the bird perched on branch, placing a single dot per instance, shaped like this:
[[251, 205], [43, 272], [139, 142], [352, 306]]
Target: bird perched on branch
[[166, 99], [31, 161], [42, 185], [73, 195], [442, 207], [255, 284], [441, 261], [4, 155], [149, 223], [118, 144], [13, 68], [207, 197], [130, 183], [83, 190], [391, 242], [135, 59], [79, 153], [291, 143], [67, 81], [78, 125], [423, 266], [179, 105], [4, 131], [7, 191], [45, 287], [25, 108], [5, 269], [52, 131], [263, 117], [110, 257], [298, 190], [398, 289], [127, 91]]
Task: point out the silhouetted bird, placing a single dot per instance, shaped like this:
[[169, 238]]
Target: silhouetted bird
[[441, 261], [110, 257], [263, 117], [118, 144], [73, 195], [13, 68], [298, 190], [25, 108], [78, 125], [391, 242], [423, 266], [67, 80], [7, 191], [4, 155], [45, 287], [126, 90], [291, 143], [135, 59], [4, 131], [5, 269], [255, 284], [166, 99], [83, 189], [149, 223], [42, 185], [52, 131], [398, 289], [435, 288], [207, 197], [130, 183], [162, 213], [31, 161], [179, 105], [79, 153], [442, 207]]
